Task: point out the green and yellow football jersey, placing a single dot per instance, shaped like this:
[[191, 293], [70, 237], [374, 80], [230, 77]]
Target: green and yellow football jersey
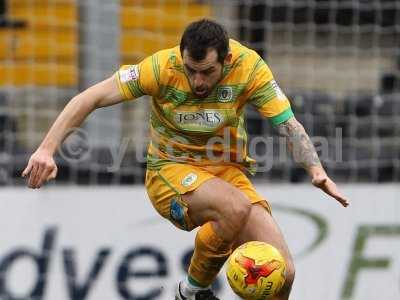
[[210, 130]]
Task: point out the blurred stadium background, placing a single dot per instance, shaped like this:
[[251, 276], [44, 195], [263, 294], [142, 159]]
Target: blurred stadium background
[[337, 60]]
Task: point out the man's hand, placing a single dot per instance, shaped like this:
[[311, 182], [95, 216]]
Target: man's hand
[[304, 153], [323, 182], [40, 169], [41, 166]]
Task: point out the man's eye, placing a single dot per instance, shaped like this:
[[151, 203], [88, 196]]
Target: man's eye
[[207, 72]]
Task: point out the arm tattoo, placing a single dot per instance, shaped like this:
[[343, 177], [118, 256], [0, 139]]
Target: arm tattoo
[[299, 143]]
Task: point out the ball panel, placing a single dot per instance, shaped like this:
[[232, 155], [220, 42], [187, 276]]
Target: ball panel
[[256, 270]]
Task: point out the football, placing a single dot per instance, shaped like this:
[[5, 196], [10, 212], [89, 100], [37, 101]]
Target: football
[[256, 270]]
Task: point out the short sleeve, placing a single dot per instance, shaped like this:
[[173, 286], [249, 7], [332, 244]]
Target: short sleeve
[[135, 81], [265, 94]]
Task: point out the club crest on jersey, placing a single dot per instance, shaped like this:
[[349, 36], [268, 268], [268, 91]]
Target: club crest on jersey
[[132, 73], [189, 179], [224, 93]]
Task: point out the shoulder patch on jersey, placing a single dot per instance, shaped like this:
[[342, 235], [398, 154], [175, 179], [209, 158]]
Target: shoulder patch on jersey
[[279, 94], [132, 73]]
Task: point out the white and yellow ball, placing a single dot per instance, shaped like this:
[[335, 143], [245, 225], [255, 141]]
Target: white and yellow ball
[[256, 270]]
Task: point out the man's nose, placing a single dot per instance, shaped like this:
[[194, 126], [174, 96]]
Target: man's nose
[[198, 80]]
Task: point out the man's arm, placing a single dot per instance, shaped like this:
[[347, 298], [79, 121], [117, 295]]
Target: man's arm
[[304, 153], [41, 166]]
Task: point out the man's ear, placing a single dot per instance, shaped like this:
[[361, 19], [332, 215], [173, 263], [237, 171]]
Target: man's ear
[[228, 58]]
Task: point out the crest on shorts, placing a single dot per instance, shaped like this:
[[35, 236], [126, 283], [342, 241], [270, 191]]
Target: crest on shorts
[[225, 93], [189, 179]]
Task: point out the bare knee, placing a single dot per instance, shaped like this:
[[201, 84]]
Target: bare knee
[[217, 201], [233, 212], [239, 212]]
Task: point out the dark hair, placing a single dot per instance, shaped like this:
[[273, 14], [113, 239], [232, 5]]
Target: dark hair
[[201, 35]]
